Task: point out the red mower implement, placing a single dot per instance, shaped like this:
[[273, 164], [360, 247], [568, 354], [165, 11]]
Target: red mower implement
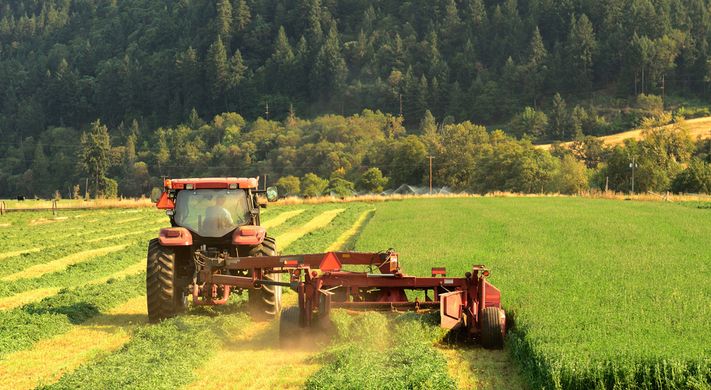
[[208, 260]]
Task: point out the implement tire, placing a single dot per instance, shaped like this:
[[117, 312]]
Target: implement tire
[[291, 331], [265, 301], [491, 336], [165, 292]]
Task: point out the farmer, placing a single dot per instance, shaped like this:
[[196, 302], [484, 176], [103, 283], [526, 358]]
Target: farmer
[[218, 216]]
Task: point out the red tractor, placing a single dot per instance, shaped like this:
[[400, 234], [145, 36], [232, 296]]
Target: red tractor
[[211, 219], [216, 246]]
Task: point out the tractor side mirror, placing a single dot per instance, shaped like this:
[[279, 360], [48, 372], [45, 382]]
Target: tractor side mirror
[[272, 194]]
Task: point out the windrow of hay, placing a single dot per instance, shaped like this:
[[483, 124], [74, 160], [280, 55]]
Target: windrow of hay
[[344, 240], [120, 235], [25, 297], [260, 344], [281, 218], [51, 358], [316, 223], [6, 255], [44, 221], [63, 263]]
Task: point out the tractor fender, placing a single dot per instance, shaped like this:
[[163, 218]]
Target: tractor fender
[[175, 236], [249, 235]]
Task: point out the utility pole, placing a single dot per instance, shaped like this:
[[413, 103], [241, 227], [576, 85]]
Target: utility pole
[[430, 157], [265, 182], [86, 189], [266, 111], [633, 165]]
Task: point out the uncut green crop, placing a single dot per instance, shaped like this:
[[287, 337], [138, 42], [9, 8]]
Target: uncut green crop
[[605, 293]]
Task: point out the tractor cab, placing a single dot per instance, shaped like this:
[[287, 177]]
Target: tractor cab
[[214, 207]]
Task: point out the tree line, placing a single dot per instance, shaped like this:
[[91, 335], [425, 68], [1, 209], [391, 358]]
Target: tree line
[[64, 63], [342, 155]]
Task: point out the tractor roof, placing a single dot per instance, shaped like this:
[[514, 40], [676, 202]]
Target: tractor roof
[[212, 182]]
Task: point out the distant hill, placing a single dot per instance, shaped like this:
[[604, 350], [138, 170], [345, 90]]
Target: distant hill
[[698, 128]]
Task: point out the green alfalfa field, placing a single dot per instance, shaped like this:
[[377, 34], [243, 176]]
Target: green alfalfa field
[[602, 293]]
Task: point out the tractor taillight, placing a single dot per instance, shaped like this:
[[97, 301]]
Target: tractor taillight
[[167, 183], [485, 273], [172, 233]]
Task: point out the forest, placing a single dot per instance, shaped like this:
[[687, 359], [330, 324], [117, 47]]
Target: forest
[[124, 92]]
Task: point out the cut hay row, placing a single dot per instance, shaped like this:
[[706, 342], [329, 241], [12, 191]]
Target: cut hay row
[[21, 328], [345, 240], [162, 355], [100, 335], [260, 342], [76, 274], [320, 221], [19, 252], [281, 218], [62, 263], [25, 297]]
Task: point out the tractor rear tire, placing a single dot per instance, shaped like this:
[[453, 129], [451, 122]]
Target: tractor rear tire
[[491, 336], [265, 302], [164, 290], [291, 331]]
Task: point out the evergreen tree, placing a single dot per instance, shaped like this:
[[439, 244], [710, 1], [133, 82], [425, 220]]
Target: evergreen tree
[[329, 71], [581, 48], [223, 22], [217, 69], [94, 155], [242, 15]]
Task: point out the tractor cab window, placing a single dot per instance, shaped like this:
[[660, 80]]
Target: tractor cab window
[[211, 213]]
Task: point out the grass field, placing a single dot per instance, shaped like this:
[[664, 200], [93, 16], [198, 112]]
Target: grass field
[[605, 294]]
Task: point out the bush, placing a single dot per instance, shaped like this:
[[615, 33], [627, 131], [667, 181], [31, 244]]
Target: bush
[[312, 185], [372, 181], [694, 179], [571, 177], [289, 186], [340, 187]]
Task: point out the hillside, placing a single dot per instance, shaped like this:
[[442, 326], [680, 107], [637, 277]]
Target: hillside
[[699, 128]]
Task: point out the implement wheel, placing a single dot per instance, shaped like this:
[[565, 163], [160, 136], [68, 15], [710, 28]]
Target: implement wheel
[[165, 291], [265, 302], [290, 330], [492, 329]]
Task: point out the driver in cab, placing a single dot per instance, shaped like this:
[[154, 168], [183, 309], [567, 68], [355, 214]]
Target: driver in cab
[[218, 216]]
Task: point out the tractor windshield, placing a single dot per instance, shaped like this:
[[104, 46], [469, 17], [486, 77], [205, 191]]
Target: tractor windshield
[[211, 213]]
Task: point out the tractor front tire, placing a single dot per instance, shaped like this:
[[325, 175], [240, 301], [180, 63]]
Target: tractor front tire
[[291, 331], [265, 301], [164, 290], [491, 336]]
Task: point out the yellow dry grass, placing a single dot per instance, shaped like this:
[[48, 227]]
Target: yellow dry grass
[[26, 297], [49, 359], [5, 255], [318, 222], [478, 368], [127, 220], [269, 367], [36, 295], [347, 236], [2, 225], [62, 263], [698, 128], [120, 235], [281, 218], [44, 221]]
